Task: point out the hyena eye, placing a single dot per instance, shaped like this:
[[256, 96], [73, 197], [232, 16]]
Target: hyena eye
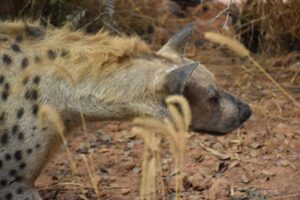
[[214, 100]]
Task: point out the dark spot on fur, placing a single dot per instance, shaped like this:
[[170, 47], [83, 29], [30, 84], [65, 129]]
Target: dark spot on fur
[[15, 48], [19, 191], [7, 156], [64, 53], [12, 172], [24, 63], [1, 79], [6, 86], [27, 94], [3, 182], [35, 109], [19, 38], [34, 95], [20, 136], [2, 116], [31, 94], [37, 59], [18, 179], [33, 128], [18, 155], [15, 129], [51, 54], [36, 80], [9, 196], [25, 80], [20, 113], [1, 164], [37, 146], [6, 59], [22, 165], [4, 95], [29, 151], [4, 138]]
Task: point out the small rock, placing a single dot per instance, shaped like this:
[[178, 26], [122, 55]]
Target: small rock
[[104, 150], [267, 173], [136, 170], [93, 141], [125, 191], [219, 190], [105, 137], [240, 195], [197, 182], [69, 195], [283, 163], [83, 149], [234, 164], [127, 153], [129, 166], [199, 157], [132, 143], [244, 178], [222, 167], [256, 145]]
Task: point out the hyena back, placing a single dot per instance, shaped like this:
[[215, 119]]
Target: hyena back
[[100, 76]]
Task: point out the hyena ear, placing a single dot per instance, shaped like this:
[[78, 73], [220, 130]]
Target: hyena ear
[[177, 43], [173, 81]]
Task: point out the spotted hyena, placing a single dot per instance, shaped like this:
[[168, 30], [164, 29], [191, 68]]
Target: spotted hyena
[[100, 76]]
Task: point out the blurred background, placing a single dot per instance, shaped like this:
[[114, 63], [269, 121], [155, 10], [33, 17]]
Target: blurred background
[[261, 160], [268, 26]]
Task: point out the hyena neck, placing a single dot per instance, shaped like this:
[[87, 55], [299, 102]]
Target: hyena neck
[[122, 95]]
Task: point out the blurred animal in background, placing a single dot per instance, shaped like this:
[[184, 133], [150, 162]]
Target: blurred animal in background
[[185, 3]]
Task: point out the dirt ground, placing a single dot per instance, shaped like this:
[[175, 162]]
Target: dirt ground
[[261, 160]]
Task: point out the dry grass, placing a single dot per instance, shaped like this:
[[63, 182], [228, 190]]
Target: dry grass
[[234, 45], [152, 131], [241, 51], [270, 26]]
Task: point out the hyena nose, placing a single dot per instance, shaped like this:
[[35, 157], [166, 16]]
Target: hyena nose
[[244, 112]]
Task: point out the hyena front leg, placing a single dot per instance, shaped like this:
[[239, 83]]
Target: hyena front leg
[[22, 190], [38, 148], [26, 151]]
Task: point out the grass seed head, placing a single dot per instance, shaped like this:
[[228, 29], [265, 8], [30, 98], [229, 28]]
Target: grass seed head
[[231, 43]]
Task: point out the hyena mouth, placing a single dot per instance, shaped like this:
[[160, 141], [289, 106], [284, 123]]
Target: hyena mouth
[[244, 112], [214, 133]]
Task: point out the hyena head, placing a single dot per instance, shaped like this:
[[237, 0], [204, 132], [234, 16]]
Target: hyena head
[[214, 110]]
